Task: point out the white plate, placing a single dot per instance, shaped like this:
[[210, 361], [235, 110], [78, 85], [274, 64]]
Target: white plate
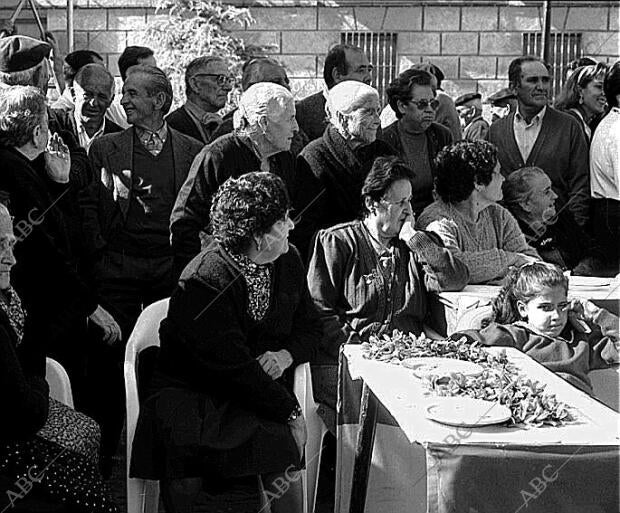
[[435, 366], [465, 411]]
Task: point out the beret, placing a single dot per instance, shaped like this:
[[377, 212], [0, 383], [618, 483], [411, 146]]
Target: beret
[[463, 99], [19, 53], [501, 95]]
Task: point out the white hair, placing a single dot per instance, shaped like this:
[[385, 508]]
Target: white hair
[[346, 97], [264, 99]]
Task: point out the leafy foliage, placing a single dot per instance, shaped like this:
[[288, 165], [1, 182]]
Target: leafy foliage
[[194, 28]]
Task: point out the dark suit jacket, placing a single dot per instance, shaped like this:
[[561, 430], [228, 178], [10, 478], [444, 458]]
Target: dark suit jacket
[[45, 274], [107, 200], [181, 121], [560, 150], [311, 116]]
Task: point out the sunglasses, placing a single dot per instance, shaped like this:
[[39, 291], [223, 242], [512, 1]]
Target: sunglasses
[[220, 79], [422, 104]]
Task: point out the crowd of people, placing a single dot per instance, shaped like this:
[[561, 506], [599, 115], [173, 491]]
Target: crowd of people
[[112, 202]]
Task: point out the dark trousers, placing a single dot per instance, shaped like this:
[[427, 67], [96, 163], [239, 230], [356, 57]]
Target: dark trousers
[[126, 285], [605, 222]]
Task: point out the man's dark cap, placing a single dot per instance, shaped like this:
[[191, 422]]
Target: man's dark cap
[[19, 53], [501, 96], [464, 98]]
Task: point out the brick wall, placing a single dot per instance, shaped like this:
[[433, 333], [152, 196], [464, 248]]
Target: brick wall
[[472, 42]]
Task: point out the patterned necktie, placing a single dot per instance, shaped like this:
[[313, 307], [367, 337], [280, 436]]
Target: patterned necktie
[[152, 142]]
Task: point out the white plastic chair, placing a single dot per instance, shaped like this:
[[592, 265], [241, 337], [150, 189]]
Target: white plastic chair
[[58, 381], [316, 432], [142, 494]]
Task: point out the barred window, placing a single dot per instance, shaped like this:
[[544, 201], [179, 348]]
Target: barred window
[[564, 47], [380, 47]]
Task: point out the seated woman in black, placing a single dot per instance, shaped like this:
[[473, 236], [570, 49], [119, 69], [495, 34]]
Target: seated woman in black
[[555, 235], [48, 451], [239, 322]]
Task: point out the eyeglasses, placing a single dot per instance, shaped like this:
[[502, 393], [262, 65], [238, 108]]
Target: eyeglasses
[[422, 104], [220, 79]]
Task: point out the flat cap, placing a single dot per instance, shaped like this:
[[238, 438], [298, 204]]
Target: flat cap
[[464, 98], [18, 53], [501, 96]]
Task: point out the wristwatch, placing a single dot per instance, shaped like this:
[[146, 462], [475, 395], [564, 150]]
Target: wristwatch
[[295, 414]]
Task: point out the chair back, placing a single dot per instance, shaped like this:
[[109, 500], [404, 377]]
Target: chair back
[[142, 495], [58, 381]]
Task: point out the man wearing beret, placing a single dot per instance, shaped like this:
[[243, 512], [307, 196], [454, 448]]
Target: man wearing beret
[[503, 102], [469, 107]]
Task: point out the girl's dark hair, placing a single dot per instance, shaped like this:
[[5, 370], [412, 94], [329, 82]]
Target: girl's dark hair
[[384, 172], [246, 206], [462, 165], [524, 284]]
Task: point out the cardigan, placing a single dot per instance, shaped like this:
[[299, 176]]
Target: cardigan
[[437, 137], [209, 342], [571, 355], [487, 246], [328, 183], [228, 156], [560, 151], [353, 296]]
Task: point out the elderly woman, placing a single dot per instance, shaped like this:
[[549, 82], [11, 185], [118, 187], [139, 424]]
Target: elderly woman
[[264, 127], [371, 276], [415, 135], [483, 234], [44, 444], [332, 169], [583, 96], [239, 322], [556, 236]]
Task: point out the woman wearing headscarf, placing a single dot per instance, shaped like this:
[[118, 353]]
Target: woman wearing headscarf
[[222, 414], [332, 169], [264, 127], [372, 276], [483, 234]]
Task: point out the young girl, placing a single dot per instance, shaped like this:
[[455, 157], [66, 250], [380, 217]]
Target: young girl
[[533, 314]]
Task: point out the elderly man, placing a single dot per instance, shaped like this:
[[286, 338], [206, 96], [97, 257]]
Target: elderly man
[[264, 127], [538, 135], [415, 136], [332, 169], [72, 63], [469, 107], [343, 62], [207, 84], [93, 88], [503, 102], [139, 172]]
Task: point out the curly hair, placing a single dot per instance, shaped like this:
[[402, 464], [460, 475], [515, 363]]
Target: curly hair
[[384, 172], [524, 284], [461, 166], [22, 108], [571, 92], [400, 88], [246, 206]]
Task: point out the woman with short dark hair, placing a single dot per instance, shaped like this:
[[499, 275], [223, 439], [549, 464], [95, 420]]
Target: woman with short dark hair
[[483, 234], [372, 275], [222, 412]]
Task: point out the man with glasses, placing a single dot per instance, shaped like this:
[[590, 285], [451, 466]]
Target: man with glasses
[[343, 62], [541, 136], [207, 84], [415, 135]]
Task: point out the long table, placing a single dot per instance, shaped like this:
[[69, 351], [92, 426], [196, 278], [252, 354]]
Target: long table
[[452, 311], [579, 452]]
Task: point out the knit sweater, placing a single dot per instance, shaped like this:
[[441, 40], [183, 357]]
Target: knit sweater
[[487, 246], [354, 296]]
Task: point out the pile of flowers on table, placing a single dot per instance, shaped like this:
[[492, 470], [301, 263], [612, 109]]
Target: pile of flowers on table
[[499, 381]]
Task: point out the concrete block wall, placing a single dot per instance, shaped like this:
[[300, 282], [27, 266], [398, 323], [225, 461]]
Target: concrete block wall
[[472, 42]]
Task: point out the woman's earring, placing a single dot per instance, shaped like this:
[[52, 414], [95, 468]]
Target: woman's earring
[[581, 100]]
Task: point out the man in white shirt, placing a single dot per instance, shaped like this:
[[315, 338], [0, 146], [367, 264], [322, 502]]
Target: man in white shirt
[[605, 172]]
